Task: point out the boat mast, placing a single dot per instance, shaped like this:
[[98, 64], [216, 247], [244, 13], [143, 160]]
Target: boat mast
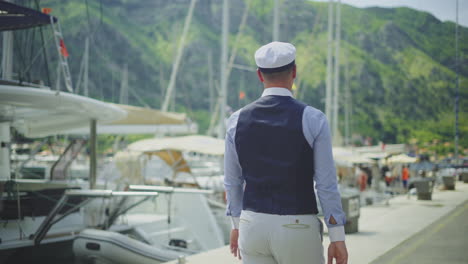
[[229, 66], [328, 95], [348, 102], [124, 86], [7, 74], [5, 151], [84, 70], [7, 59], [92, 153], [180, 51], [276, 21], [86, 74], [210, 81], [224, 59], [235, 46], [336, 88], [457, 93]]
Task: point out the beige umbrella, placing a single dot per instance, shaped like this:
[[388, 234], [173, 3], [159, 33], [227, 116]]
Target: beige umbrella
[[140, 120], [402, 158], [146, 116], [169, 149]]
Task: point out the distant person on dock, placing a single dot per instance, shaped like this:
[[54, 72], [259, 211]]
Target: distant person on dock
[[405, 176], [386, 175], [276, 147], [362, 179], [368, 171]]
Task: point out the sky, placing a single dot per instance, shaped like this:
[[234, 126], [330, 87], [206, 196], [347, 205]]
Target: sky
[[442, 9]]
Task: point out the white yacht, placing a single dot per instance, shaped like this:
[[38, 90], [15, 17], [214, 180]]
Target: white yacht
[[40, 214], [53, 218], [180, 222], [168, 161]]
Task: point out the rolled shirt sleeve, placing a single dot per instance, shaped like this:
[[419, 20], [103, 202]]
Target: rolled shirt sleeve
[[317, 134], [233, 180]]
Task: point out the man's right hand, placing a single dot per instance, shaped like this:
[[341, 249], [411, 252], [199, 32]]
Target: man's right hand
[[337, 250], [235, 243]]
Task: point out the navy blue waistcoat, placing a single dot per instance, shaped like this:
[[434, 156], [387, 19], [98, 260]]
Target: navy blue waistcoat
[[276, 159]]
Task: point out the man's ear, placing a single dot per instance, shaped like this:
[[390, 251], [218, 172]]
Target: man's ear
[[260, 76], [294, 71]]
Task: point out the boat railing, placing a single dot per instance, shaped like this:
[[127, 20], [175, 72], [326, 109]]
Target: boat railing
[[59, 170], [87, 196], [168, 189]]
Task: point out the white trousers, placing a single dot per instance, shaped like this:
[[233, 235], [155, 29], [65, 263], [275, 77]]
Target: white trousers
[[280, 239]]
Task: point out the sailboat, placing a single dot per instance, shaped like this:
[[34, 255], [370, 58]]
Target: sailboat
[[40, 217], [180, 222], [52, 217]]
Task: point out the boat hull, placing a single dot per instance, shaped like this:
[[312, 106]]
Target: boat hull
[[51, 253], [98, 246]]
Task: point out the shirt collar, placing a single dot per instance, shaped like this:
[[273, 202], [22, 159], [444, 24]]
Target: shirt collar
[[277, 91]]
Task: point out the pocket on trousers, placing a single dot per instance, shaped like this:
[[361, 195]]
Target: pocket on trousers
[[320, 228], [296, 226], [244, 234], [243, 220]]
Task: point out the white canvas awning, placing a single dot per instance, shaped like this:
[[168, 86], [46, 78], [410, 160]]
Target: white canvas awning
[[131, 161], [195, 143], [140, 120], [383, 148], [349, 157], [402, 158], [38, 112], [147, 116]]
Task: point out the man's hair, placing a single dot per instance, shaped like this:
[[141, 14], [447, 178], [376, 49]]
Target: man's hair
[[276, 76]]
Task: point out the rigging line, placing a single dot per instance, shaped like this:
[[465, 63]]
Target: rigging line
[[139, 98], [87, 16], [179, 54], [80, 73], [36, 56], [169, 214], [49, 83], [100, 11], [22, 49], [315, 28], [91, 32], [20, 55], [33, 37], [183, 93], [28, 40], [236, 41], [22, 40], [46, 197], [18, 203]]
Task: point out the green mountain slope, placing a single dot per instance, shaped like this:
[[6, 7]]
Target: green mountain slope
[[400, 61]]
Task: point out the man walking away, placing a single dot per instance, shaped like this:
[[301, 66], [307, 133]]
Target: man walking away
[[276, 147]]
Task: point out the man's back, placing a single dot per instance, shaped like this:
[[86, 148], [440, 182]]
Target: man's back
[[275, 157], [276, 148]]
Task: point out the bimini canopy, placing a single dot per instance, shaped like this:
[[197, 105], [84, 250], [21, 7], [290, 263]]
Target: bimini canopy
[[131, 161], [141, 120], [139, 115], [39, 112], [195, 143], [13, 17]]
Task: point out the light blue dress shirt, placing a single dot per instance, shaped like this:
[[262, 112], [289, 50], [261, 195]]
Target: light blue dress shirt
[[317, 133]]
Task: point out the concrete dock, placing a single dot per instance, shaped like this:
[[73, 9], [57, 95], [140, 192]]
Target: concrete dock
[[405, 231]]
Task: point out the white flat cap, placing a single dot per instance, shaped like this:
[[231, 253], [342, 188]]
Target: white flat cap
[[275, 56]]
